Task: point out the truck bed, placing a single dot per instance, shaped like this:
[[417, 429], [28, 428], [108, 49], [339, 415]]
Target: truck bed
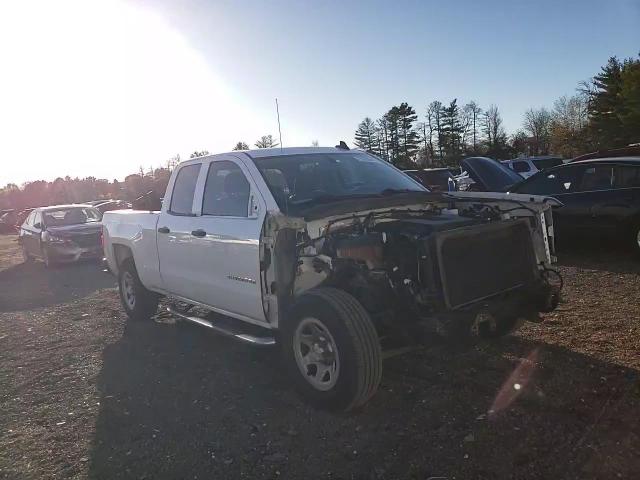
[[135, 229]]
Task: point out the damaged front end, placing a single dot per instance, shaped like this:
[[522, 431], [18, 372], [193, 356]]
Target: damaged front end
[[452, 263]]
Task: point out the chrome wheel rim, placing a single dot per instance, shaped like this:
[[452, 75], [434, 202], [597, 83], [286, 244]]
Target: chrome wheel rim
[[128, 291], [316, 354], [638, 238]]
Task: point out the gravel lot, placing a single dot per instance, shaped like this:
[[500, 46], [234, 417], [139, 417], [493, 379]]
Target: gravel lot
[[83, 394]]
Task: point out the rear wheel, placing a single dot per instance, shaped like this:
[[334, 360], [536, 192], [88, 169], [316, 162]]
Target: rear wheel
[[332, 350], [138, 302]]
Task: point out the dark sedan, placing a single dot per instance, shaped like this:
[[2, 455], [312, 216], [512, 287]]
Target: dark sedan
[[600, 197], [63, 233]]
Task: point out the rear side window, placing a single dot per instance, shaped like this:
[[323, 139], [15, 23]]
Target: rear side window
[[226, 192], [598, 177], [521, 167], [627, 177], [184, 189], [550, 183]]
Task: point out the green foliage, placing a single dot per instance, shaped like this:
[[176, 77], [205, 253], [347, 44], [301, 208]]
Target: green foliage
[[366, 136], [241, 146], [266, 141], [614, 104]]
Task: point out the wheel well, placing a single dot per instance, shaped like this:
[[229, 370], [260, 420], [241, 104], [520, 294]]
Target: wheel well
[[121, 253]]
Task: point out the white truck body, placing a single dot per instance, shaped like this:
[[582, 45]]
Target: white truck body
[[221, 270], [331, 247]]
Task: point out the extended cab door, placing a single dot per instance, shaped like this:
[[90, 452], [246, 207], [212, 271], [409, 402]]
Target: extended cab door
[[219, 251], [228, 226], [174, 239]]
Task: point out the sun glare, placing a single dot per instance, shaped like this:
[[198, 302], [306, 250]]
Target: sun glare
[[101, 88]]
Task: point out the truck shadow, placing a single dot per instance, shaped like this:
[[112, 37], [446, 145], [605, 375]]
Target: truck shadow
[[178, 402], [30, 285], [606, 255]]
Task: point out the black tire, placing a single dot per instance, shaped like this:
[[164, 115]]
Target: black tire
[[499, 327], [138, 302], [356, 343], [25, 254], [634, 238], [48, 263]]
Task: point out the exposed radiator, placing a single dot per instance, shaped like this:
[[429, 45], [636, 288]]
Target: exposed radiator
[[477, 263]]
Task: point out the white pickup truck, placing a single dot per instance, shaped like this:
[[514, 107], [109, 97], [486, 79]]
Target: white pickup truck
[[327, 250]]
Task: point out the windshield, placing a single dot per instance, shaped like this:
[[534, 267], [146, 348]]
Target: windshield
[[492, 175], [70, 216], [544, 163], [300, 181]]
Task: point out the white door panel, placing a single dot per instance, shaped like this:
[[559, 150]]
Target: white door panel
[[177, 255], [227, 265], [212, 257]]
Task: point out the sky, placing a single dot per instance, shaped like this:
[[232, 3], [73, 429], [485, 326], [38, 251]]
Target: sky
[[100, 88]]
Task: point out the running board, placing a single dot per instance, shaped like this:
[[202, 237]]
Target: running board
[[241, 337]]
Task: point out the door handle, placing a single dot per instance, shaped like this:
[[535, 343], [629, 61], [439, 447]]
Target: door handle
[[199, 233], [163, 230]]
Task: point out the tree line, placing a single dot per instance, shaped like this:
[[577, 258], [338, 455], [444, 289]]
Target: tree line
[[75, 190], [604, 113]]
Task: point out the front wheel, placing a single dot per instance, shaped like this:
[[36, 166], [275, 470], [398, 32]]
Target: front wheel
[[138, 302], [25, 254], [332, 350], [48, 263], [635, 238]]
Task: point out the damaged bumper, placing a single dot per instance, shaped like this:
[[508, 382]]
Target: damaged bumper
[[69, 253]]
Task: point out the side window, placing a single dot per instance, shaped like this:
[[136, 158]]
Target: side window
[[551, 183], [226, 192], [37, 218], [598, 177], [627, 177], [521, 167], [184, 189]]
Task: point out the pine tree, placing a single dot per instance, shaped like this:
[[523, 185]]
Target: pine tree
[[366, 136], [241, 146], [451, 132], [408, 136], [614, 107]]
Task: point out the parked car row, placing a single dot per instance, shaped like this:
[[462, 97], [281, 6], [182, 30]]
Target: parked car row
[[600, 197]]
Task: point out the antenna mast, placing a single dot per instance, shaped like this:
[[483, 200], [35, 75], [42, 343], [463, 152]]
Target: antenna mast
[[279, 129]]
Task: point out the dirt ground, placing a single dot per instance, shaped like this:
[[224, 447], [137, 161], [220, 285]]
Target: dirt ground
[[83, 394]]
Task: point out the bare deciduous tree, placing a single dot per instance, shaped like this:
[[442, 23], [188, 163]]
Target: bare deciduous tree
[[537, 124]]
